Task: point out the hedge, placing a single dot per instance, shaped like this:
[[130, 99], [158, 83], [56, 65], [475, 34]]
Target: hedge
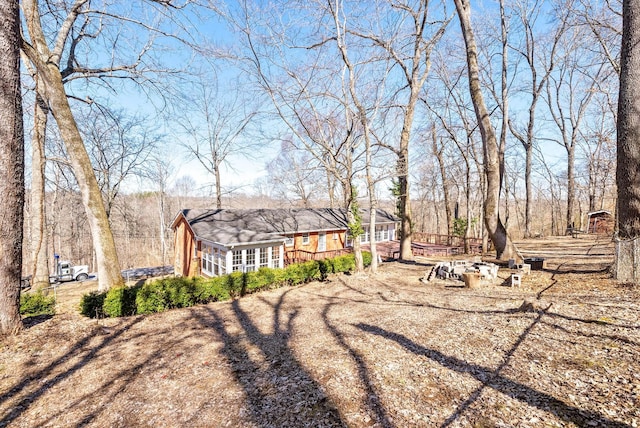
[[32, 304], [182, 292]]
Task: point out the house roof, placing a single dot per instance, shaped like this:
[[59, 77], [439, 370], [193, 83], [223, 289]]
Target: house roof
[[242, 226], [600, 212]]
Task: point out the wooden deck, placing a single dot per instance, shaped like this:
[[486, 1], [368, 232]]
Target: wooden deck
[[434, 245], [390, 250]]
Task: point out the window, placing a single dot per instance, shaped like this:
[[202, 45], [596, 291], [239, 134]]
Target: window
[[305, 238], [223, 262], [275, 257], [378, 233], [236, 260], [251, 259], [214, 259], [289, 241], [264, 256], [385, 233], [207, 260], [335, 236]]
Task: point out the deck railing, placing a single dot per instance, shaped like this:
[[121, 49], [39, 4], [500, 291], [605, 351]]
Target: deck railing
[[449, 245], [448, 240], [299, 256]]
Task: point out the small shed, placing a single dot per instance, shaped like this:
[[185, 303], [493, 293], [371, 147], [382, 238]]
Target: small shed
[[600, 222]]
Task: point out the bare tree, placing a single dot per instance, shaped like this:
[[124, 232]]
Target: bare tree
[[11, 169], [599, 148], [540, 64], [47, 65], [505, 249], [627, 173], [216, 125], [428, 188], [54, 43], [294, 175], [310, 97], [119, 147], [39, 233], [366, 113], [410, 49], [438, 147], [158, 171], [456, 121], [569, 93]]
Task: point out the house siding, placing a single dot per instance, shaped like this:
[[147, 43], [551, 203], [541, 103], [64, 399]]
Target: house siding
[[312, 245], [184, 250], [601, 224]]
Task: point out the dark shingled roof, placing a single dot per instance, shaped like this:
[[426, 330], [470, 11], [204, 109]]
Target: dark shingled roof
[[236, 226]]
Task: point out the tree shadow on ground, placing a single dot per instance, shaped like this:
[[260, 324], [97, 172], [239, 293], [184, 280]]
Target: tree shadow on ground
[[121, 376], [35, 384], [372, 401], [279, 391], [34, 320], [492, 378], [514, 310]]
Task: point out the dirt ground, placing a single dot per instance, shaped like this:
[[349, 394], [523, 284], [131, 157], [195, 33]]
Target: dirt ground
[[356, 351]]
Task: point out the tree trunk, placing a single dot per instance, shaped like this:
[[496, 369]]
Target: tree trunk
[[571, 185], [218, 187], [39, 240], [350, 202], [372, 236], [373, 200], [404, 205], [497, 233], [467, 231], [627, 174], [163, 226], [11, 169], [528, 191], [438, 152], [504, 98], [330, 191]]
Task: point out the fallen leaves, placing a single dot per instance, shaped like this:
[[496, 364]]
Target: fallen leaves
[[562, 350]]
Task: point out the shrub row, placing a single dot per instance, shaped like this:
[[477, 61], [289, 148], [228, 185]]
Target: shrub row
[[182, 292], [32, 304]]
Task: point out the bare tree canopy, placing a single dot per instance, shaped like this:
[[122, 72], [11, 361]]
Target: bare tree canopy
[[213, 126]]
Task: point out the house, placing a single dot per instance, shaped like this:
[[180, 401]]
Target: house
[[220, 241], [600, 222]]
